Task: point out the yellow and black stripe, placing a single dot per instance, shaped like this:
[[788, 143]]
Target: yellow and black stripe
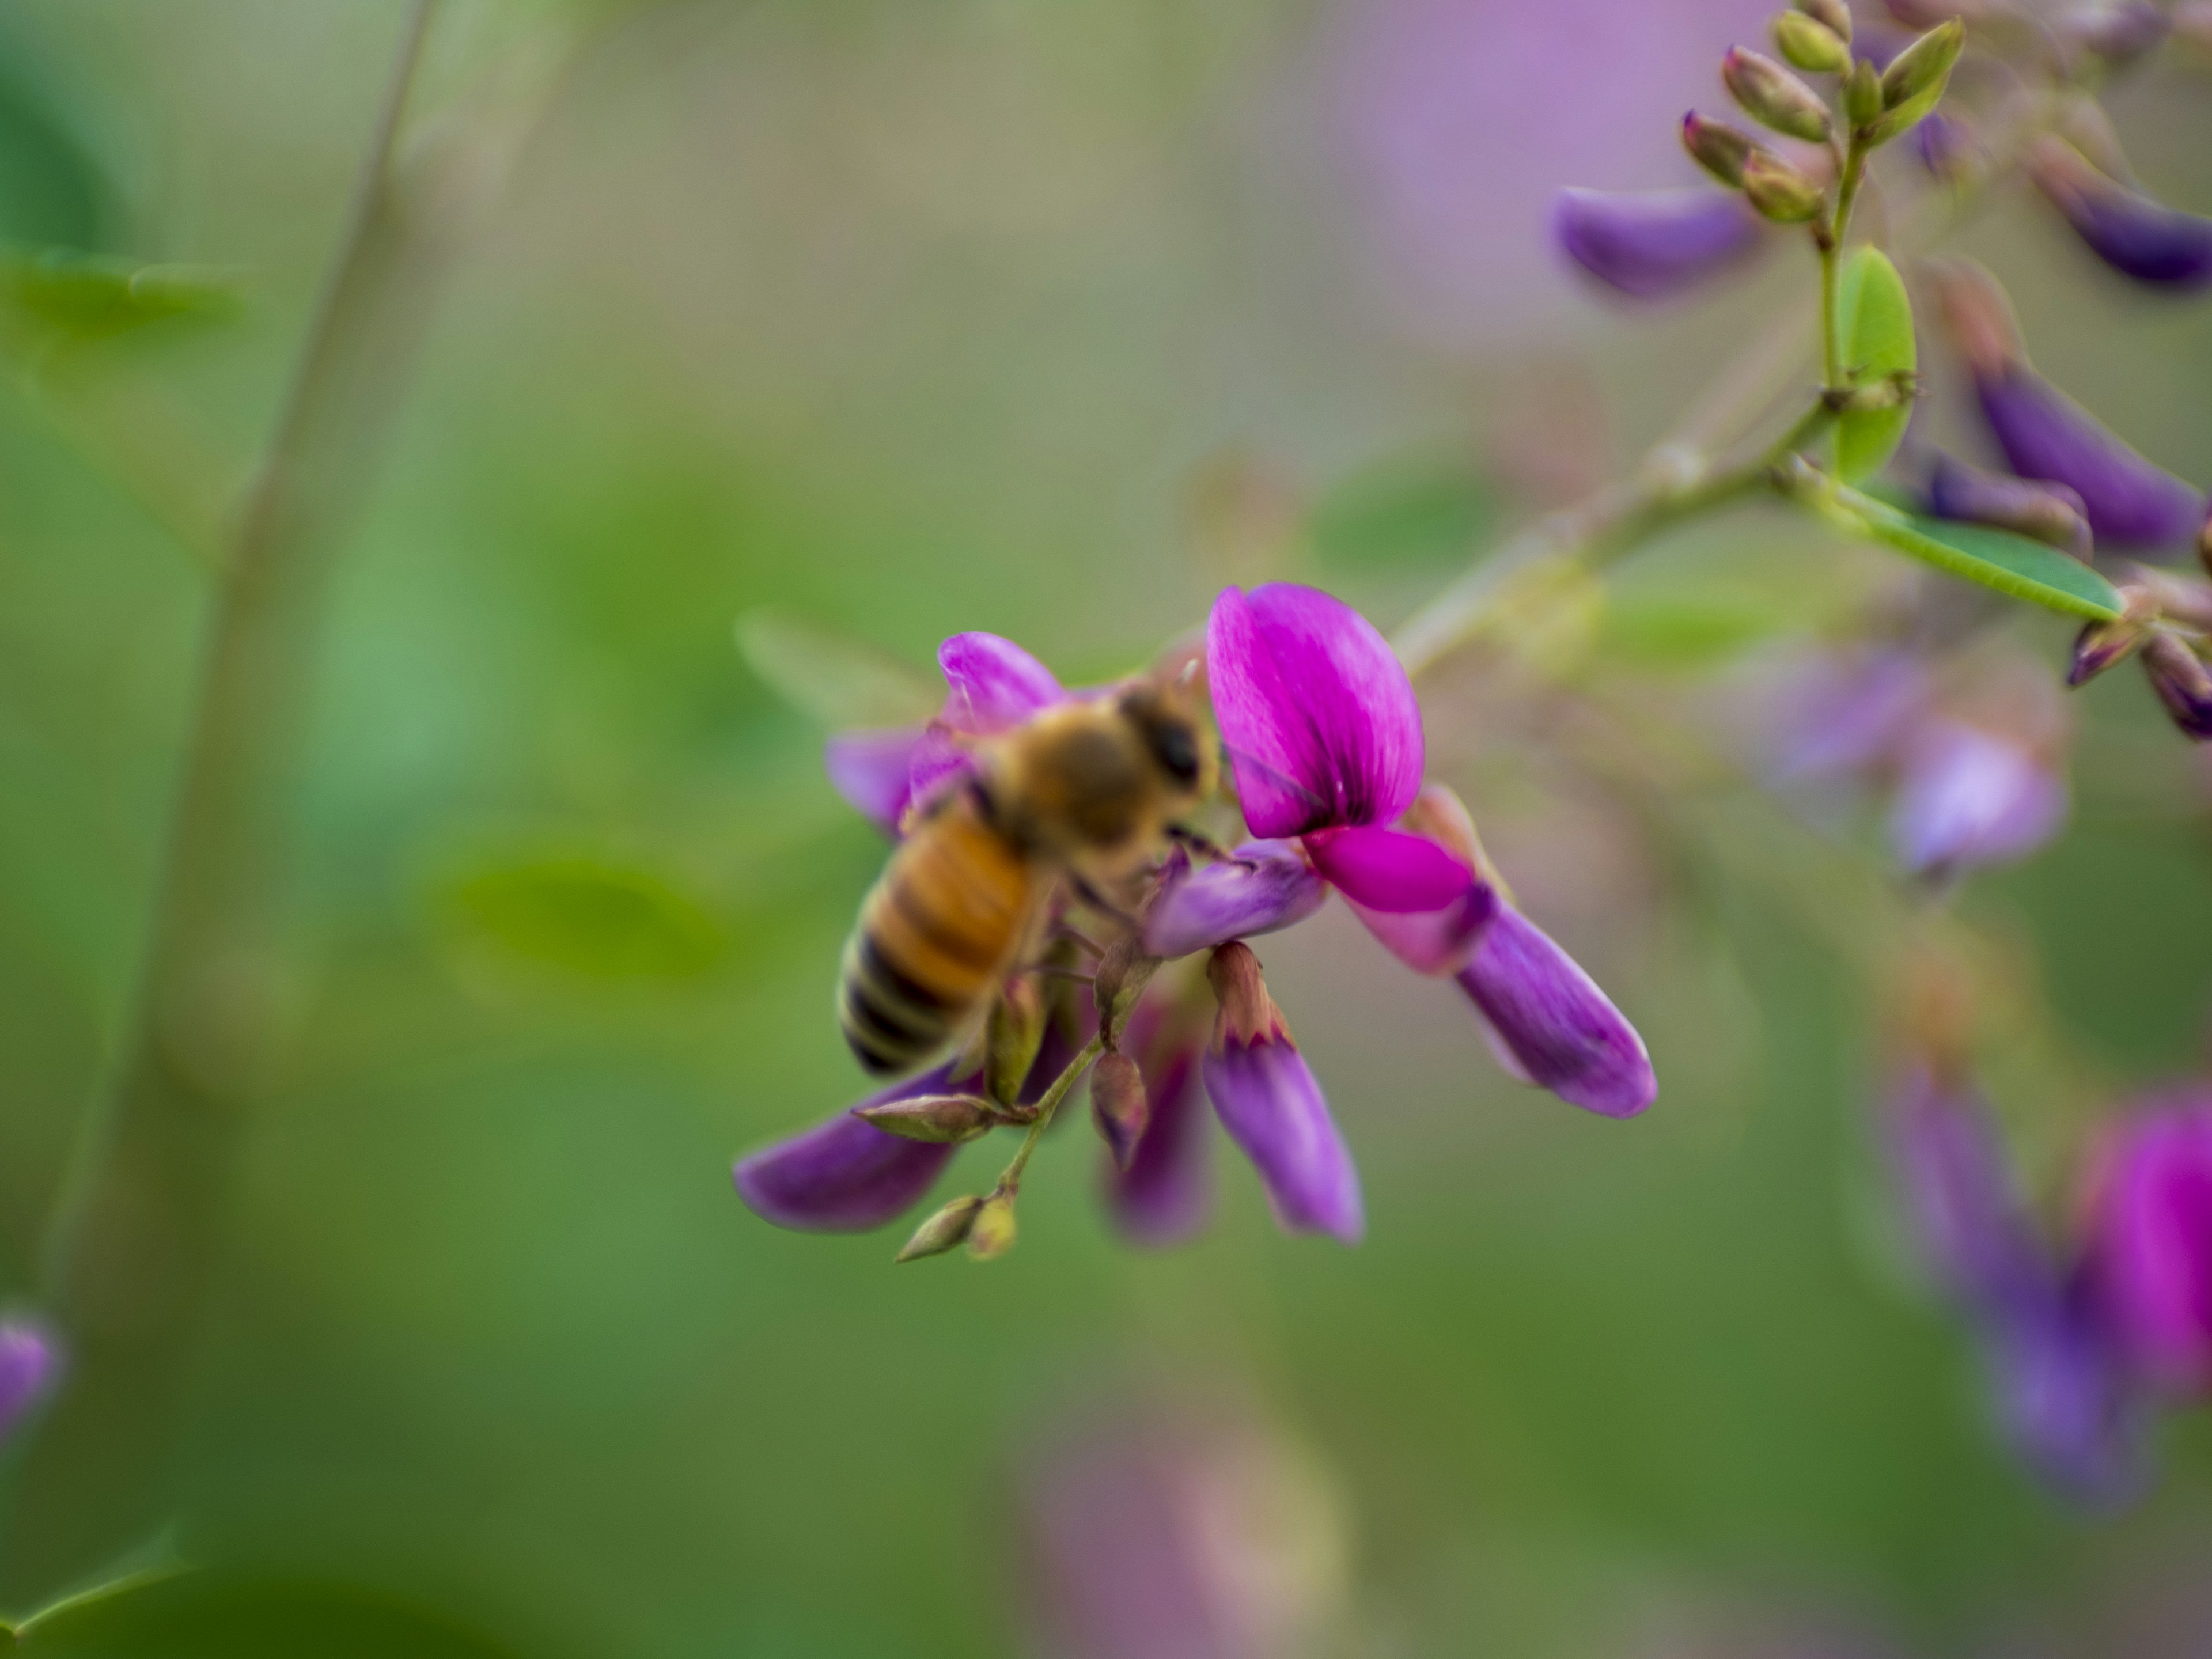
[[935, 933]]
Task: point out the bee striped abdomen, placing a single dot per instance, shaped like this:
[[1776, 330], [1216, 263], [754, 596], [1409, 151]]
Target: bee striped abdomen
[[934, 934]]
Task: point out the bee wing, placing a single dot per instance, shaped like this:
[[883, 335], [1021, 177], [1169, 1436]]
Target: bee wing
[[837, 681]]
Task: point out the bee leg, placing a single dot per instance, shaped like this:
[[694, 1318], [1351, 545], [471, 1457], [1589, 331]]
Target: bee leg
[[1200, 843], [1097, 900], [1077, 938]]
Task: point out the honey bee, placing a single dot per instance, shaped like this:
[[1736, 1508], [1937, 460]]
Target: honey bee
[[1082, 793]]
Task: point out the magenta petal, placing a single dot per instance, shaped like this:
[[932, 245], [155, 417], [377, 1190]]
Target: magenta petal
[[1393, 871], [1166, 1193], [29, 1362], [2152, 1231], [1653, 244], [1267, 1100], [992, 684], [1320, 721], [871, 770], [1560, 1032], [1970, 798], [2046, 435], [1434, 942], [1261, 887], [845, 1175]]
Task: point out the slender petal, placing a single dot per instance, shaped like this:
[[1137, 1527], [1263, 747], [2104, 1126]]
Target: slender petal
[[1959, 1186], [1267, 1100], [1969, 797], [2065, 1402], [992, 684], [2045, 435], [1321, 722], [2048, 512], [30, 1360], [1264, 885], [871, 770], [2152, 1226], [2134, 235], [1652, 245], [1166, 1193], [846, 1174], [1393, 871], [1435, 942], [1551, 1024]]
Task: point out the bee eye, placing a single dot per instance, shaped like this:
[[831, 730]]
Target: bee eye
[[1175, 748]]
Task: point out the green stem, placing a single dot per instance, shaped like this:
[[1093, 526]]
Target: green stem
[[1048, 1104], [1834, 371]]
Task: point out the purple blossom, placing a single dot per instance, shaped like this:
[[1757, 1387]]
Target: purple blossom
[[846, 1174], [1551, 1026], [2152, 1231], [2045, 435], [1843, 713], [1262, 886], [30, 1363], [1968, 798], [1652, 245], [1166, 1194], [2050, 513], [2182, 681], [2134, 235]]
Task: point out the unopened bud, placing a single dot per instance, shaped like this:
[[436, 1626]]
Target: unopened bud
[[1119, 1106], [1779, 190], [1017, 1032], [1716, 146], [2178, 674], [1122, 976], [1835, 14], [991, 1234], [942, 1119], [1810, 44], [947, 1229], [1862, 94], [1924, 65], [1774, 97], [2102, 645], [1246, 1012]]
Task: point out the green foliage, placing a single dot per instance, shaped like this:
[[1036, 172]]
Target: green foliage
[[90, 296], [1403, 513], [589, 916], [1994, 558], [205, 1615], [51, 188], [1688, 630], [1876, 329]]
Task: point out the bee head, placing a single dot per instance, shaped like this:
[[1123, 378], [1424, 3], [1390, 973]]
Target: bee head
[[1166, 721]]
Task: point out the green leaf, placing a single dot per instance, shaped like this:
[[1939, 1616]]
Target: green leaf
[[1995, 558], [1402, 513], [589, 916], [211, 1615], [95, 296], [1676, 630], [1875, 319], [837, 681]]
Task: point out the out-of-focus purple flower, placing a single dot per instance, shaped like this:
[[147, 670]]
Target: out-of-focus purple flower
[[1550, 1025], [2052, 513], [1261, 887], [1267, 1100], [30, 1363], [2046, 434], [1947, 147], [873, 771], [2134, 235], [1166, 1194], [1842, 713], [1654, 244], [1968, 798], [2151, 1222], [846, 1174], [2062, 1393]]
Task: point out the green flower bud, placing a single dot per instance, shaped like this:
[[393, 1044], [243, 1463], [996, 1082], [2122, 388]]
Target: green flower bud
[[1810, 44], [1119, 1106], [1862, 94], [942, 1119], [1779, 190], [1017, 1032], [1774, 97], [945, 1231], [990, 1233], [1120, 979], [1718, 147], [1923, 64], [1835, 14]]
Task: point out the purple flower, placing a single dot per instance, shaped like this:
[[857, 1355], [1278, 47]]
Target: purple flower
[[845, 1175], [2049, 513], [2151, 1224], [2136, 236], [30, 1363], [2045, 435], [1268, 1102], [1551, 1026], [1967, 798], [2182, 681], [1166, 1194], [1262, 886], [2063, 1395], [1654, 244], [873, 771], [1842, 715]]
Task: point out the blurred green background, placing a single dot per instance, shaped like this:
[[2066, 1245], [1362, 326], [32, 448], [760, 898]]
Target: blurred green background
[[909, 318]]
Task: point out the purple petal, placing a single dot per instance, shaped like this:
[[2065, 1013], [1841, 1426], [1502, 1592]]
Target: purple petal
[[2182, 681], [992, 684], [1261, 887], [1650, 245], [30, 1360], [845, 1175], [2066, 1404], [1393, 871], [1321, 722], [2045, 435], [2048, 512], [2134, 235], [1844, 714], [1968, 798], [1268, 1102], [1557, 1030], [1166, 1193], [1435, 942], [871, 770], [1965, 1204], [2152, 1227]]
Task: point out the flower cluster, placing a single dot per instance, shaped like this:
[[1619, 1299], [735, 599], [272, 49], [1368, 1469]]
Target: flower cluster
[[1326, 750]]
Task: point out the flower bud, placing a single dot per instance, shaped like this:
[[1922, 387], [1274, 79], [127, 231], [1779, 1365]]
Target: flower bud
[[1809, 45], [1834, 15], [1650, 245], [990, 1233], [1017, 1032], [1119, 1106], [2134, 235], [947, 1229], [2183, 684], [1924, 65], [1774, 97], [1862, 94], [941, 1119], [1718, 147], [1121, 977], [2102, 645], [1779, 190], [2050, 513]]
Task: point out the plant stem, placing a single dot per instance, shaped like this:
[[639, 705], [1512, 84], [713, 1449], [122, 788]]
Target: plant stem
[[138, 1230], [1048, 1104], [1835, 371]]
